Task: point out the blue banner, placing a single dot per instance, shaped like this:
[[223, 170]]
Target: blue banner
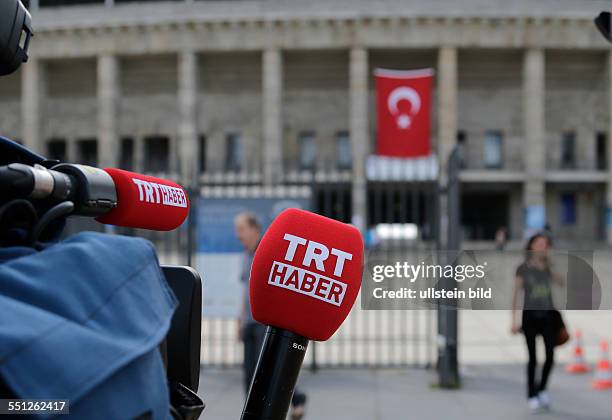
[[216, 219], [220, 254]]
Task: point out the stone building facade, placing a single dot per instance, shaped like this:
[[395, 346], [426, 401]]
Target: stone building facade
[[266, 91]]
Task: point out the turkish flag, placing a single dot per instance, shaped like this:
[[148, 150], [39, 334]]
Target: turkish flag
[[403, 103]]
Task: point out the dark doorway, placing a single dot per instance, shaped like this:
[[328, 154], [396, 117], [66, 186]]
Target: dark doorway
[[56, 149], [126, 155], [601, 140], [157, 149], [87, 152], [482, 213]]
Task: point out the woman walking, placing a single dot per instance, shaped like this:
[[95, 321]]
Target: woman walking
[[534, 278]]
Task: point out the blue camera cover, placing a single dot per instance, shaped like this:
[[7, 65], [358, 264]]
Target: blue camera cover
[[82, 320]]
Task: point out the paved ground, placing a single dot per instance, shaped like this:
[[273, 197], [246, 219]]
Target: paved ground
[[488, 392], [395, 337], [485, 337]]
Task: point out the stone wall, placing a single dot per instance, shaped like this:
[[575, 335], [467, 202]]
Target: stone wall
[[490, 98], [576, 95]]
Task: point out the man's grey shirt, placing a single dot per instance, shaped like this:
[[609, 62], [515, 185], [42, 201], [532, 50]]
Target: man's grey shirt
[[245, 273]]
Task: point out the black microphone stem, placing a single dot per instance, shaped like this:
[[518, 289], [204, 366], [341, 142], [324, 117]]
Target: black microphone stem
[[275, 376]]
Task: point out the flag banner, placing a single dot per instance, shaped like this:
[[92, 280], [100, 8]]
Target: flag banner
[[403, 112]]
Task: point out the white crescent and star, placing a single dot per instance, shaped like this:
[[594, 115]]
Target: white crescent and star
[[404, 93]]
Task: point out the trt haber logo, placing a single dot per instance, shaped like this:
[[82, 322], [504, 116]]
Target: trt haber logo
[[152, 192], [301, 279]]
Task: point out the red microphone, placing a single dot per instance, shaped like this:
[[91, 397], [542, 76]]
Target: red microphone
[[114, 196], [305, 277], [146, 202]]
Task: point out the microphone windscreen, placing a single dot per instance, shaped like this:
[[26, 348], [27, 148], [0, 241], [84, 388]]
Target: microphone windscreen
[[146, 202], [306, 274]]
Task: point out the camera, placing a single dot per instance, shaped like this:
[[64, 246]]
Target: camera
[[180, 349]]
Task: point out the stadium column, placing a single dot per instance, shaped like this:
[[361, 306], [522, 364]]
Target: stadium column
[[188, 133], [32, 88], [608, 216], [358, 98], [272, 74], [108, 95], [534, 147]]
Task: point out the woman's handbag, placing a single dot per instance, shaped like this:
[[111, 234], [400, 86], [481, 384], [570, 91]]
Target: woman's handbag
[[562, 334]]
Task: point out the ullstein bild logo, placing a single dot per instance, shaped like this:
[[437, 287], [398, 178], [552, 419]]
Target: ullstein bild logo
[[301, 280], [152, 192]]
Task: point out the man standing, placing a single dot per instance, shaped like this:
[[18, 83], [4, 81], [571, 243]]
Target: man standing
[[251, 332], [248, 230]]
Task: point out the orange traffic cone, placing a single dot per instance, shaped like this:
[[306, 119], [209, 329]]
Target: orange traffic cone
[[578, 365], [603, 372]]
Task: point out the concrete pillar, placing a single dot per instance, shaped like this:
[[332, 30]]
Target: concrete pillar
[[535, 142], [447, 106], [188, 132], [108, 97], [358, 127], [32, 94], [272, 116], [608, 216]]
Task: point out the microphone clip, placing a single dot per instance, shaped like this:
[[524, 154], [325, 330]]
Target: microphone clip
[[95, 192]]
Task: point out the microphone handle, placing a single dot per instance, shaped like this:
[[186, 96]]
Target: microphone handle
[[275, 376]]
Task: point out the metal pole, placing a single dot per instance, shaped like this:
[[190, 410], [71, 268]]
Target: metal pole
[[315, 209], [448, 366], [192, 223]]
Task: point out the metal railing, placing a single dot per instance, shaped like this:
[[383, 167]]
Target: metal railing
[[376, 339]]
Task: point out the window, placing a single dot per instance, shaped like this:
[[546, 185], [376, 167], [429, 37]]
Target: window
[[126, 156], [87, 152], [56, 149], [233, 153], [568, 209], [493, 149], [568, 150], [157, 149], [306, 150], [601, 144], [202, 154], [344, 157]]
